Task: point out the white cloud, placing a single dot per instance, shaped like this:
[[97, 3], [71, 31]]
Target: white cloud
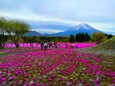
[[106, 27], [43, 30], [29, 15]]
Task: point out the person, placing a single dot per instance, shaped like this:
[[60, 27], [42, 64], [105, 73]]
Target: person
[[55, 44], [66, 45], [76, 47], [72, 45], [31, 45], [45, 46], [50, 44], [42, 45]]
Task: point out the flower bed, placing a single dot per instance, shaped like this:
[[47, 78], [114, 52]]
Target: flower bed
[[56, 67], [59, 44]]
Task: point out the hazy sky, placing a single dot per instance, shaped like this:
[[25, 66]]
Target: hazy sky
[[98, 13]]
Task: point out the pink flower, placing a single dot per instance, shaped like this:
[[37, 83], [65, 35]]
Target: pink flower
[[52, 76], [17, 72], [25, 84], [11, 78], [31, 82], [3, 79], [61, 79], [97, 82], [113, 81], [50, 79], [68, 83], [0, 72], [38, 84]]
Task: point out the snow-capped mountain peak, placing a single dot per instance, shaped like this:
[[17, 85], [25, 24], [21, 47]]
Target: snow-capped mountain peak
[[82, 26], [85, 28]]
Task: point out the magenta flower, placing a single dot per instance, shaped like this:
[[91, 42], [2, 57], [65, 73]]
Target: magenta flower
[[11, 78], [3, 79], [68, 83], [38, 84], [61, 79], [0, 72], [52, 76], [97, 82], [50, 79], [31, 82]]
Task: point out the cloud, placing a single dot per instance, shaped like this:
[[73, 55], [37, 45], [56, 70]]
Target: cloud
[[97, 13], [34, 17], [44, 30], [75, 10], [102, 26]]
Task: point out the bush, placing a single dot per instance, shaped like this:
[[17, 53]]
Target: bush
[[98, 37]]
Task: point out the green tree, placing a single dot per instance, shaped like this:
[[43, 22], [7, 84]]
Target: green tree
[[87, 37], [76, 37], [71, 38], [98, 37], [3, 37], [81, 37], [16, 29], [109, 36]]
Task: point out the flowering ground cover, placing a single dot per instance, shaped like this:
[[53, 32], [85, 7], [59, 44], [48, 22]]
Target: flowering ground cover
[[60, 45], [13, 50], [25, 47], [57, 67]]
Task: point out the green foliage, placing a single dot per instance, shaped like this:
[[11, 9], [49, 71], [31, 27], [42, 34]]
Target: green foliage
[[87, 37], [98, 37], [81, 37], [26, 39], [14, 28], [108, 45], [19, 28], [2, 29], [109, 36], [34, 39], [3, 40], [71, 38], [3, 37]]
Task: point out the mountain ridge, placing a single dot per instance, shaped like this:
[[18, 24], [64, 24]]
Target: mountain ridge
[[33, 33], [85, 28]]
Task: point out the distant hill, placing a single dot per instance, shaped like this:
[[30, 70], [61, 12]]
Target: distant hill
[[77, 29], [33, 33]]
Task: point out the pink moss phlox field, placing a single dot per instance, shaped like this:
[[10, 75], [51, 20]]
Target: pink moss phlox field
[[54, 67], [25, 47], [59, 44]]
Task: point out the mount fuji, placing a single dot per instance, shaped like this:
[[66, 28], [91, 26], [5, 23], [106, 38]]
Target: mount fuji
[[85, 28]]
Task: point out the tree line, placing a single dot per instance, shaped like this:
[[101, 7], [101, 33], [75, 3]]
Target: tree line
[[36, 39], [97, 37], [80, 37]]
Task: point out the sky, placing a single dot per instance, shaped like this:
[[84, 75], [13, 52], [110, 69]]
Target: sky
[[100, 14]]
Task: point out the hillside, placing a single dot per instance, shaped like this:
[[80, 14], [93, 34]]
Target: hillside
[[107, 45], [33, 33], [106, 48]]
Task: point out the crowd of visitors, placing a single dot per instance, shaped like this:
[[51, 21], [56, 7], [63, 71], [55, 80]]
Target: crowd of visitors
[[46, 45]]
